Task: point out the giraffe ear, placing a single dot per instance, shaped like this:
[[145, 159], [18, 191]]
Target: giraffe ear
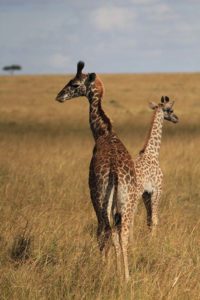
[[80, 66], [91, 77], [153, 105], [164, 99]]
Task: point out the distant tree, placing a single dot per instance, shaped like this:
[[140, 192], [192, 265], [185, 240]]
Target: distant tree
[[12, 68]]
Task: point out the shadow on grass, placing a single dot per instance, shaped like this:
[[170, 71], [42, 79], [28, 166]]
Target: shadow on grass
[[129, 128], [21, 248]]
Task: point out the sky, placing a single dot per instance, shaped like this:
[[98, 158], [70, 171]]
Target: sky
[[112, 36]]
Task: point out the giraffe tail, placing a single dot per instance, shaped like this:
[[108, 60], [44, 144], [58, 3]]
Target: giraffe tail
[[115, 211], [110, 217], [117, 219]]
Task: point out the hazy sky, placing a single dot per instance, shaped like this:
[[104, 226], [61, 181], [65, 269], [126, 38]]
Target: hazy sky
[[50, 36]]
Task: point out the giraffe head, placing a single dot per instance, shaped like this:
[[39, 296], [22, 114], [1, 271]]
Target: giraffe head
[[77, 86], [166, 106]]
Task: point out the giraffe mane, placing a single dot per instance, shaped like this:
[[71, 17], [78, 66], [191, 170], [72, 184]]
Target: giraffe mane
[[100, 86], [149, 133]]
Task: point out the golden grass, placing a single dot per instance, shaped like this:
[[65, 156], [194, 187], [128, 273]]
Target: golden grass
[[45, 208]]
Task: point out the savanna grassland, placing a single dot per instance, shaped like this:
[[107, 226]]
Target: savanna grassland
[[48, 247]]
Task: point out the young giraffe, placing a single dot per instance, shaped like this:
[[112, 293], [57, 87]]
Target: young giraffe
[[111, 175], [148, 171]]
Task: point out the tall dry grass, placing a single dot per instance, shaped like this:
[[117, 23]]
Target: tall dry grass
[[48, 246]]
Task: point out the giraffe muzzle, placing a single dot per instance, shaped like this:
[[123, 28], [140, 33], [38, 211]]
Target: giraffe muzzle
[[175, 119], [60, 97]]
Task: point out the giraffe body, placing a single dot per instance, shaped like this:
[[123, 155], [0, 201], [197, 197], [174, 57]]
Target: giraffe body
[[112, 179], [148, 172]]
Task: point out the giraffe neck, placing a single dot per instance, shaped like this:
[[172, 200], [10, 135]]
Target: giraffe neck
[[152, 145], [99, 122]]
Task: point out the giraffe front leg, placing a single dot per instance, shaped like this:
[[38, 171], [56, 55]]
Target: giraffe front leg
[[155, 202], [146, 196]]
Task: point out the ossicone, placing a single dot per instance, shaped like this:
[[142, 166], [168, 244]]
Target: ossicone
[[80, 66], [164, 99]]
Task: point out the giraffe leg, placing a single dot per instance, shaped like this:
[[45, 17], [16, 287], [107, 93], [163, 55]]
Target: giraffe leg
[[106, 241], [103, 229], [155, 202], [137, 197], [128, 198], [124, 237], [102, 193], [99, 233], [124, 245], [117, 247], [103, 238], [127, 222], [147, 202]]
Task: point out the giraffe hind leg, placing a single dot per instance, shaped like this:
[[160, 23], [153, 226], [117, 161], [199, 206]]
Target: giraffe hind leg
[[124, 236], [103, 232], [116, 240], [106, 215], [100, 229]]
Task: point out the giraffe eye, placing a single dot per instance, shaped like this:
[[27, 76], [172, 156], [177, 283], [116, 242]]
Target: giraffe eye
[[75, 85]]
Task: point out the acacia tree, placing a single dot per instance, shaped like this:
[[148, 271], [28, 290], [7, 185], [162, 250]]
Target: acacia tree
[[12, 68]]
